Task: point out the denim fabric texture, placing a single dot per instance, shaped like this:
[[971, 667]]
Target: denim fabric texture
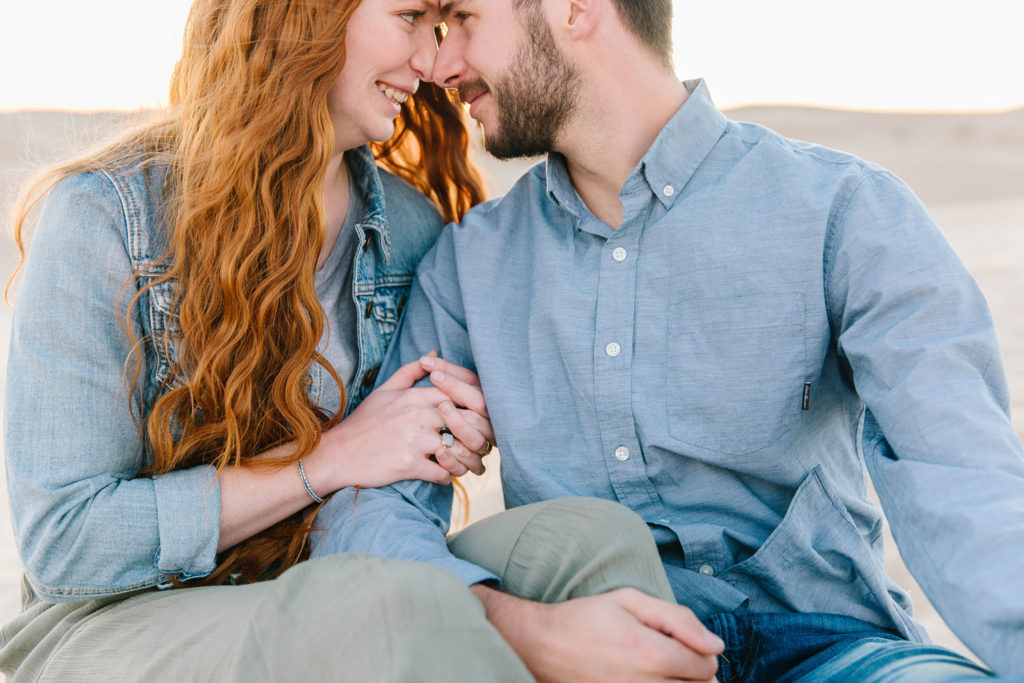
[[783, 648], [86, 525], [880, 660], [772, 323]]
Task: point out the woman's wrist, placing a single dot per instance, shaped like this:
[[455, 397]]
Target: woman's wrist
[[305, 482], [322, 467]]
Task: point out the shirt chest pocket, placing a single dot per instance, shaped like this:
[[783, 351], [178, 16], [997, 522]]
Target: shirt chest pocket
[[736, 368]]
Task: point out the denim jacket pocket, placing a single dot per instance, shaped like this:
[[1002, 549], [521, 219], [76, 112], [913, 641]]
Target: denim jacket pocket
[[387, 302], [816, 560], [381, 310], [735, 370]]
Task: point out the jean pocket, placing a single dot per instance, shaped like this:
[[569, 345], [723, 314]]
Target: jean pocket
[[735, 370]]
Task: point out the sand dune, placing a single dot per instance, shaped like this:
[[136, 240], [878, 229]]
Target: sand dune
[[969, 170]]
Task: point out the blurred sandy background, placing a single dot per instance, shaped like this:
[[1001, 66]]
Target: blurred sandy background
[[968, 169]]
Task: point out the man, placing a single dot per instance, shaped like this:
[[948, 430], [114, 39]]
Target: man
[[727, 332]]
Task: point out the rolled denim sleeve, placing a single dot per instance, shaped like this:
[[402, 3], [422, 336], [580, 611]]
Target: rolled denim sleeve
[[409, 519], [937, 438], [86, 524]]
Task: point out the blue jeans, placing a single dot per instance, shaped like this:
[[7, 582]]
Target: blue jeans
[[785, 648]]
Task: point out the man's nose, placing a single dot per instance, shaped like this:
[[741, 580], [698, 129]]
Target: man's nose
[[448, 64]]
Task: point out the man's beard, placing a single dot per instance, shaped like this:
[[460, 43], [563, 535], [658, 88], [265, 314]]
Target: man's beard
[[534, 97]]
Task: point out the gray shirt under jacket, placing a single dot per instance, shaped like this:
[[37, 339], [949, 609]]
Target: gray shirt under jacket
[[340, 343], [772, 323]]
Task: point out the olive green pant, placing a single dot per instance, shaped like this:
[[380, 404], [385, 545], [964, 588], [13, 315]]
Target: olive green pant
[[344, 617]]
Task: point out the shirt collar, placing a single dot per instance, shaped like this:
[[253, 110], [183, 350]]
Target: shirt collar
[[683, 144], [367, 176], [559, 184], [670, 162]]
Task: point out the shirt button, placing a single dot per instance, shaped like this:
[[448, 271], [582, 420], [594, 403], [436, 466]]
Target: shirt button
[[613, 349], [668, 190], [307, 380], [619, 254], [707, 570], [622, 454]]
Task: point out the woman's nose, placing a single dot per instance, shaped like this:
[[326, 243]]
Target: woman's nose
[[422, 61]]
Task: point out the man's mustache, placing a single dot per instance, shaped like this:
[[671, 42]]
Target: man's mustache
[[470, 90]]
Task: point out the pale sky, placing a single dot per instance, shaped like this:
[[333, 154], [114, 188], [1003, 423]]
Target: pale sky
[[870, 54]]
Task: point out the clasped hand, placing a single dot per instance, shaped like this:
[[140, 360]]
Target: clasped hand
[[394, 434]]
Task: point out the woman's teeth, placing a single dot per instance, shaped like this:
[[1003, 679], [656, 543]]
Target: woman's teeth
[[396, 96]]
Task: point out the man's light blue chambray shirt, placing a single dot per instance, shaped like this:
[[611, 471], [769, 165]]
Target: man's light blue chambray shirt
[[772, 322]]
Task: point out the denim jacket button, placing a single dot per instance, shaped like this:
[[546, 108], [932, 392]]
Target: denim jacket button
[[371, 377]]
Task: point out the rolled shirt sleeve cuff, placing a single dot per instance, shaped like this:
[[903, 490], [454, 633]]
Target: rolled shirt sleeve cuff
[[188, 515]]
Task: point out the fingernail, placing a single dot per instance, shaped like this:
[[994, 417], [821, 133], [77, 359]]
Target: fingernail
[[428, 362], [713, 640], [438, 376], [447, 407]]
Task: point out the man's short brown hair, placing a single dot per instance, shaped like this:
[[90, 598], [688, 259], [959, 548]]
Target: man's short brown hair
[[649, 20]]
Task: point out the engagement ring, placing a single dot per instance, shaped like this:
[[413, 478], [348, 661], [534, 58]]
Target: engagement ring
[[447, 439]]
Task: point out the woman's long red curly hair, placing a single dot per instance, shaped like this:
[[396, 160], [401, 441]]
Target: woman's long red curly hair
[[247, 139]]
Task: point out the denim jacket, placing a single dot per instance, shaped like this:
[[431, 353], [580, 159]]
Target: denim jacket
[[86, 525]]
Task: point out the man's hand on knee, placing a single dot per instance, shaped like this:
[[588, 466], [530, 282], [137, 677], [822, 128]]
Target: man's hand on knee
[[621, 635]]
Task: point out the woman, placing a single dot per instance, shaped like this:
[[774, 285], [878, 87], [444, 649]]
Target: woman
[[202, 312]]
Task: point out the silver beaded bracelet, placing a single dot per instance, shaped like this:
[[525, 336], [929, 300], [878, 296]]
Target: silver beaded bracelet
[[305, 482]]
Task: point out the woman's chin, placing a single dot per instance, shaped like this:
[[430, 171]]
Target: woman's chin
[[385, 133]]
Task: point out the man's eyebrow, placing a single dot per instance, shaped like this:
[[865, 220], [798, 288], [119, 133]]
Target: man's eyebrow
[[449, 7]]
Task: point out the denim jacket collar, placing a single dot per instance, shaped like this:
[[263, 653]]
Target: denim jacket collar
[[367, 176]]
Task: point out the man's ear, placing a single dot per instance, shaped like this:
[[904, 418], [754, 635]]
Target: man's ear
[[583, 17]]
